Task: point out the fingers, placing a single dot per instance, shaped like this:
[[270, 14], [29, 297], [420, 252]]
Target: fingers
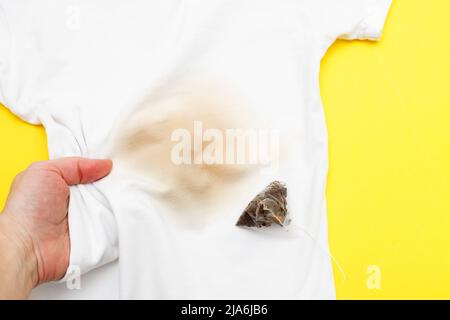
[[80, 170]]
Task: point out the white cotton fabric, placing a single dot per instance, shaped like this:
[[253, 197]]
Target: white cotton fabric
[[92, 72]]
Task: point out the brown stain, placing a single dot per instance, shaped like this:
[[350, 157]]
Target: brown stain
[[144, 143]]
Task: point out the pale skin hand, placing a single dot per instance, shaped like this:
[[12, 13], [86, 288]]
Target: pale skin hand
[[34, 233]]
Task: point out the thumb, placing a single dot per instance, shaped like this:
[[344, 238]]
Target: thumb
[[80, 170]]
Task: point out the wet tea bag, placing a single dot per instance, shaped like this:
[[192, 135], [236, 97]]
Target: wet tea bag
[[268, 207]]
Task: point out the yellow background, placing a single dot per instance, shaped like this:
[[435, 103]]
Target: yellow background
[[388, 114]]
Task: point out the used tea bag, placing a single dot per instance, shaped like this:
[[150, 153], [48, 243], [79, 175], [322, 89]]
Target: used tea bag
[[269, 206]]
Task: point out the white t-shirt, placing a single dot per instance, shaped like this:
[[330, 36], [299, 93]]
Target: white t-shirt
[[138, 81]]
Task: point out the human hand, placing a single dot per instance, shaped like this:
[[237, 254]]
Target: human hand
[[34, 230]]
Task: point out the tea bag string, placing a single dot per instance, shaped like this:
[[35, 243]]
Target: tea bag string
[[327, 252]]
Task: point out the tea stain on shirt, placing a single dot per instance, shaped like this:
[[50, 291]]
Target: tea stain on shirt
[[165, 141]]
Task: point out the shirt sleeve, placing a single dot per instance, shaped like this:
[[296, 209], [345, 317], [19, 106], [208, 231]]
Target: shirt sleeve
[[5, 43], [19, 60], [356, 19]]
